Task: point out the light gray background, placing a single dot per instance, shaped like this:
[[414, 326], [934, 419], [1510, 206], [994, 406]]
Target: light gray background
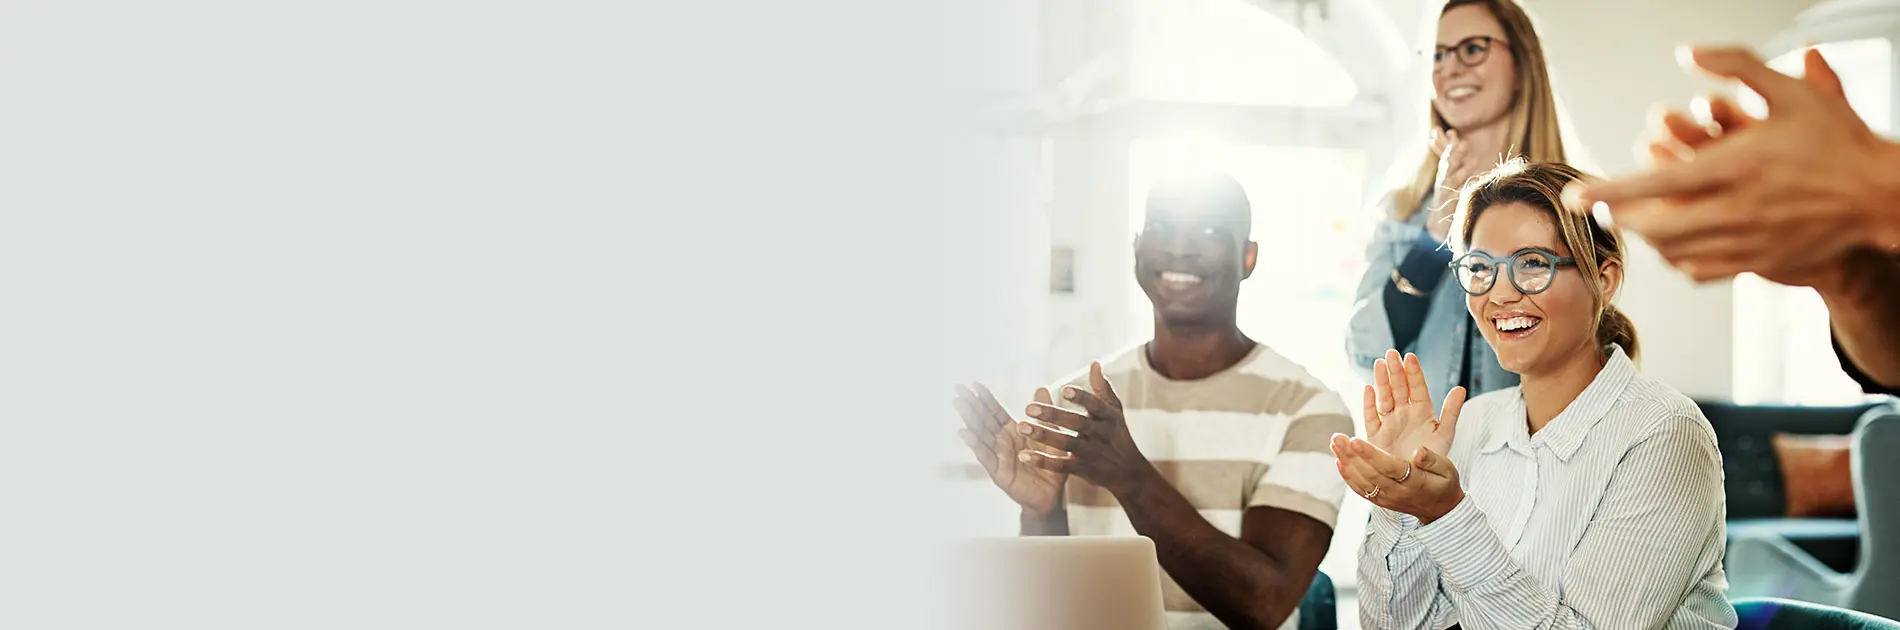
[[406, 314]]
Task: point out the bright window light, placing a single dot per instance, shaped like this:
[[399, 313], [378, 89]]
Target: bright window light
[[1229, 52]]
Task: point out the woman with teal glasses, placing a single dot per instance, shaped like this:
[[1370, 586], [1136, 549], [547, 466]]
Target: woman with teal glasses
[[1588, 496]]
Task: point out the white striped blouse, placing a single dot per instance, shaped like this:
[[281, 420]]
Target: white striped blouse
[[1609, 517]]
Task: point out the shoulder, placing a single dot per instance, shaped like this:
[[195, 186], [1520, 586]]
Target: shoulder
[[1267, 363], [1273, 370], [1649, 412], [1389, 205]]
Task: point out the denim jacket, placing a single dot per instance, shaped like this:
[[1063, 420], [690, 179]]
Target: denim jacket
[[1448, 331]]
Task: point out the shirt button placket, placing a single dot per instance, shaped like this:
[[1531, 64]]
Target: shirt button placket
[[1525, 505]]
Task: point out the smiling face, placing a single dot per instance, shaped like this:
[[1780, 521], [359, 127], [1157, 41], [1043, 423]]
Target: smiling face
[[1470, 97], [1193, 251], [1535, 334]]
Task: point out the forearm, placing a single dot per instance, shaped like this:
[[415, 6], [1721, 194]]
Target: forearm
[[1408, 292], [1241, 585], [1052, 523], [1398, 587], [1486, 585], [1863, 310]]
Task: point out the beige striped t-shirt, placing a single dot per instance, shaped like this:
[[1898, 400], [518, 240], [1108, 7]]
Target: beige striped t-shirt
[[1254, 434]]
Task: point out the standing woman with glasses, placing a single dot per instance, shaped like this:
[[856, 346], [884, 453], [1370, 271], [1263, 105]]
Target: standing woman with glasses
[[1588, 496], [1491, 100]]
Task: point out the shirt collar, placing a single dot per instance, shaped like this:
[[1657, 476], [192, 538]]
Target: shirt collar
[[1514, 431], [1566, 433]]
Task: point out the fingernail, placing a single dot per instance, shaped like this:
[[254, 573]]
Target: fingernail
[[1025, 429], [1023, 457], [1601, 212], [1069, 394], [1685, 57], [1035, 411]]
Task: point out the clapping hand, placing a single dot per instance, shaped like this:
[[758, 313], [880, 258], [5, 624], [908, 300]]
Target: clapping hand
[[1785, 197], [1100, 447], [1400, 419], [1458, 163], [999, 445]]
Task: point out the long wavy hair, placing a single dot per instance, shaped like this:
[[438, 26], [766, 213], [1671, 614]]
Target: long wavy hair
[[1536, 130]]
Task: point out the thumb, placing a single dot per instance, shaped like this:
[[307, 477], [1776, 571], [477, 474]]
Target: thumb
[[1743, 65], [1099, 384], [1820, 75], [1430, 461], [1448, 414]]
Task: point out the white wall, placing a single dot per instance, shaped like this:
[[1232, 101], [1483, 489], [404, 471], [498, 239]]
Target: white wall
[[1613, 59]]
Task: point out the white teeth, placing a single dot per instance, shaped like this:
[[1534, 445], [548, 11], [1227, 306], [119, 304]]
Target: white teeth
[[1176, 276], [1511, 324], [1461, 91]]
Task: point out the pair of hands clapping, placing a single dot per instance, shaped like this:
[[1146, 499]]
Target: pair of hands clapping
[[1030, 460], [1788, 197], [1403, 464]]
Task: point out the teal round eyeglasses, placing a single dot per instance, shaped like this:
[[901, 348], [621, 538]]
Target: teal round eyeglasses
[[1531, 270]]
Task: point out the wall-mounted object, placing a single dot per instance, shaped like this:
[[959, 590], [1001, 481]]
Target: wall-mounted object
[[1062, 270]]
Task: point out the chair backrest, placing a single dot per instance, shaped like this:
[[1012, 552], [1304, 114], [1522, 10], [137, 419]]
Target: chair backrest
[[1319, 610], [1745, 435], [1876, 457]]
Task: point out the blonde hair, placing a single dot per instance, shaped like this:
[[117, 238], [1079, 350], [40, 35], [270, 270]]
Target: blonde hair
[[1541, 186], [1536, 128]]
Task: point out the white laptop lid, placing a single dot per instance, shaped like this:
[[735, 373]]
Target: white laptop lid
[[1056, 583]]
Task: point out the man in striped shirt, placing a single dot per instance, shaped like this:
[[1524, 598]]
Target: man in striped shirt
[[1208, 443]]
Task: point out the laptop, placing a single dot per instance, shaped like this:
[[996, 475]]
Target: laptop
[[1056, 583]]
